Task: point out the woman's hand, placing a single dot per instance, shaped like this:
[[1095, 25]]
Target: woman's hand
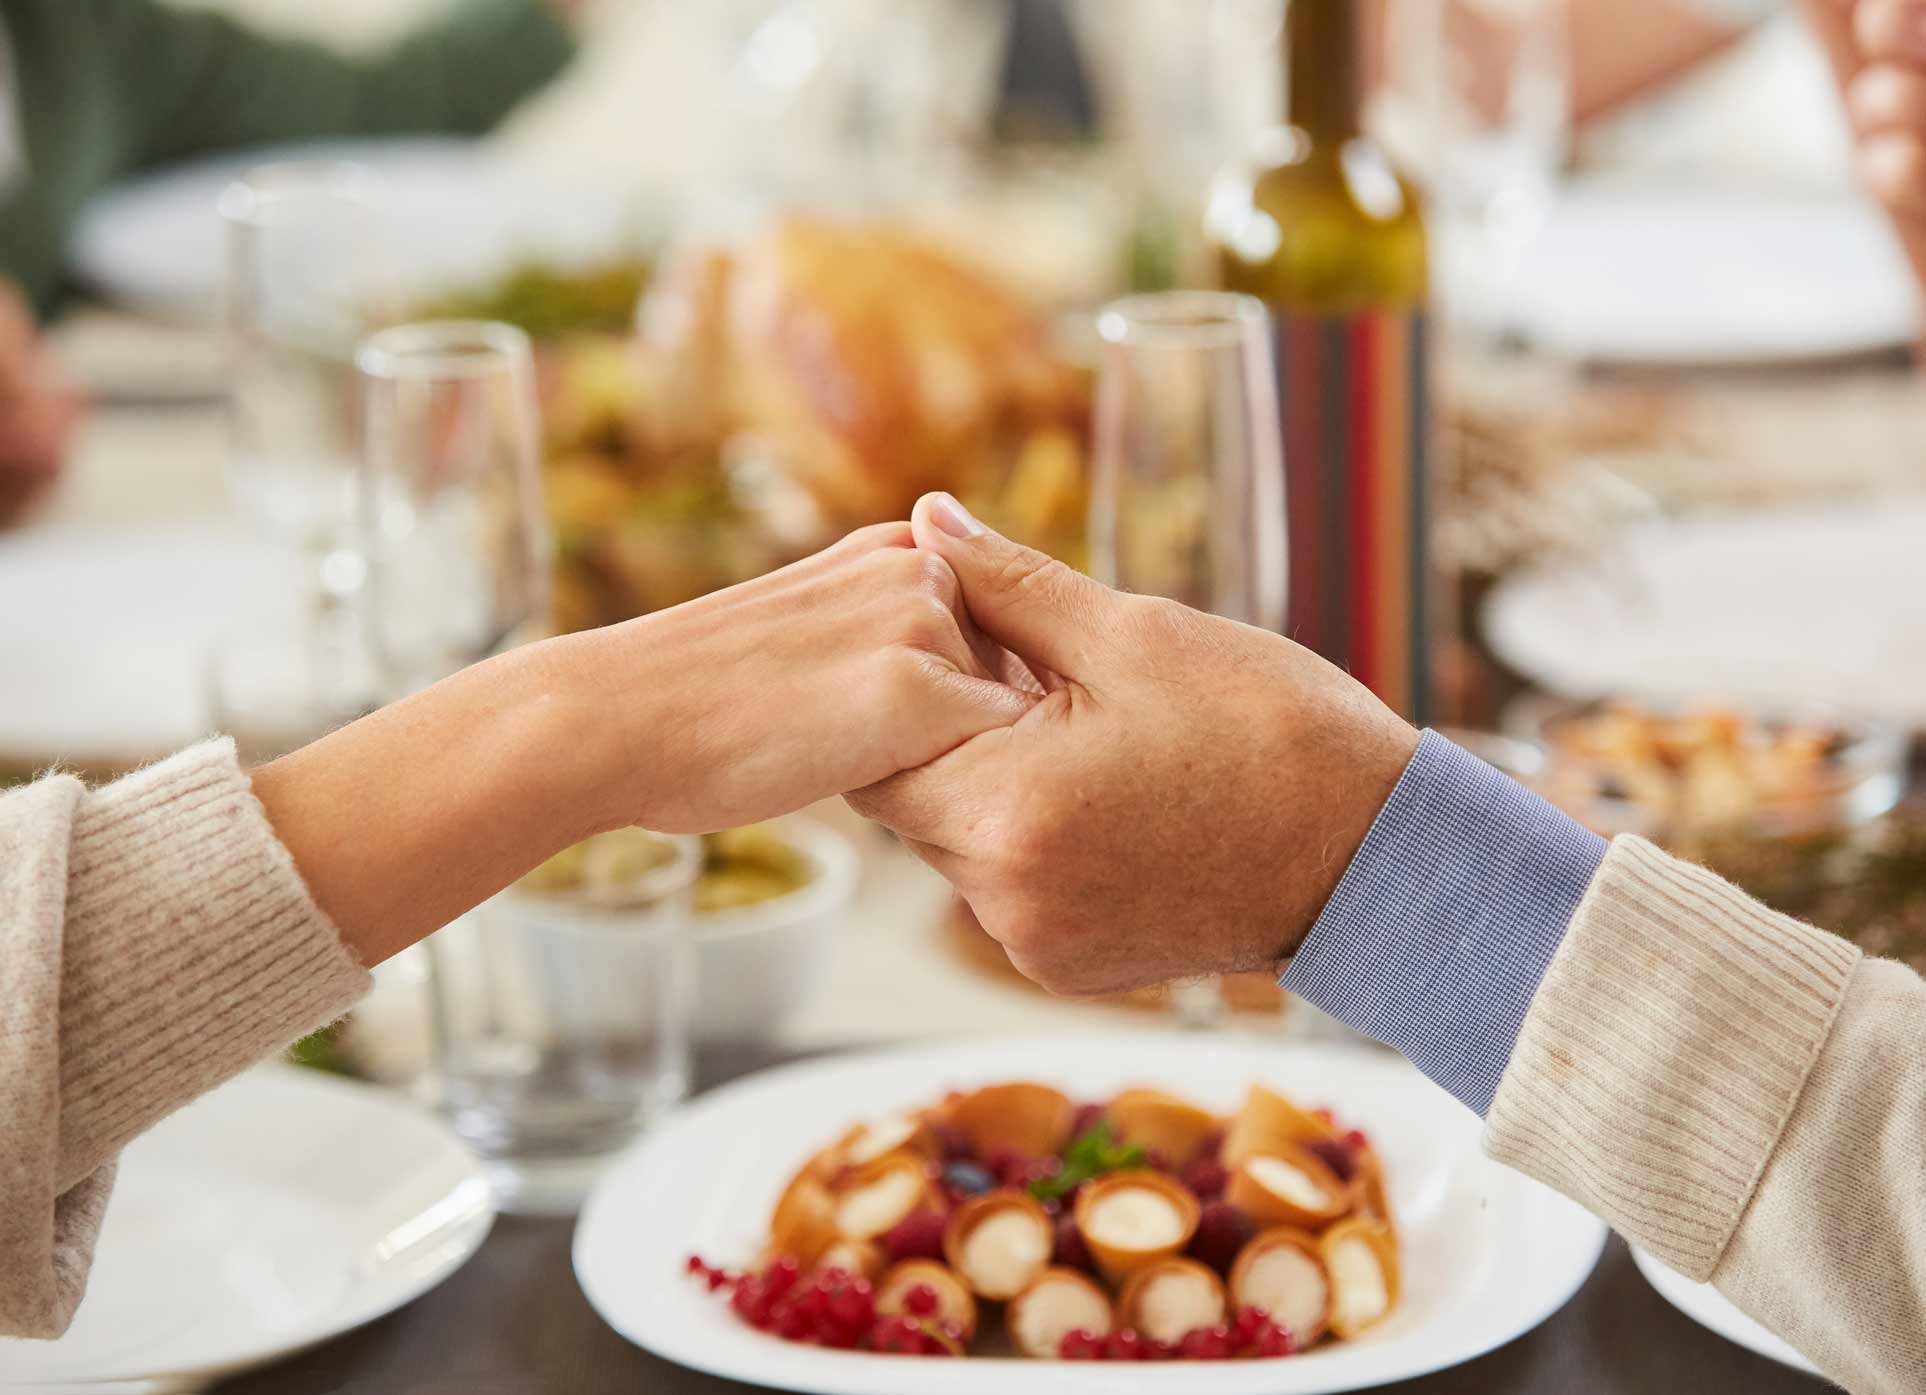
[[1183, 799], [800, 685]]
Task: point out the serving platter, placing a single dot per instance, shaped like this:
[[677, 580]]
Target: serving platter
[[1487, 1254], [280, 1210]]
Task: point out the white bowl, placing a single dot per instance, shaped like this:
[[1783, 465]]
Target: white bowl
[[757, 964]]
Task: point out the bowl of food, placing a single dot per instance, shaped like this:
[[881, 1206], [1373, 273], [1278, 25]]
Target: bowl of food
[[1684, 774], [767, 904]]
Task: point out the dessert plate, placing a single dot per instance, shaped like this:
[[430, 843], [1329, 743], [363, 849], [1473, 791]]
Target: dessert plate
[[281, 1210], [1711, 1309], [1487, 1254]]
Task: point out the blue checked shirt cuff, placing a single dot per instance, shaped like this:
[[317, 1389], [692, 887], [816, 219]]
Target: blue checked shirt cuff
[[1443, 925]]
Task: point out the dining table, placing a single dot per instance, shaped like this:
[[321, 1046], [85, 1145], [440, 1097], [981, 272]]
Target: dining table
[[514, 1319]]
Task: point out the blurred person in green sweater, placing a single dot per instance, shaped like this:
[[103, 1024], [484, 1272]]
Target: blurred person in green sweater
[[92, 91]]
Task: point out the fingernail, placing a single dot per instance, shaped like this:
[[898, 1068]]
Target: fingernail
[[946, 513]]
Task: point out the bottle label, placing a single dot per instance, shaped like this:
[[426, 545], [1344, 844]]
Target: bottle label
[[1352, 390]]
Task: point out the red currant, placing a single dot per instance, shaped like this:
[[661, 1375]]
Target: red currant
[[782, 1274], [1274, 1341], [1070, 1251], [1335, 1154], [1087, 1117], [1222, 1230], [1125, 1345], [694, 1265], [1205, 1176], [920, 1301], [1080, 1344]]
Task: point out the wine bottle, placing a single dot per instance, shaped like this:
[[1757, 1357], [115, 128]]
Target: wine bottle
[[1317, 223]]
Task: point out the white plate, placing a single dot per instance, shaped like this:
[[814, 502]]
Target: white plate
[[280, 1210], [1487, 1254], [105, 633], [458, 211], [1802, 606], [1680, 274], [1709, 1308]]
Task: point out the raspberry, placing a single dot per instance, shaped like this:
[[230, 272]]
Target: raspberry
[[918, 1235], [1205, 1176], [920, 1301], [1334, 1154], [1070, 1250], [1222, 1231]]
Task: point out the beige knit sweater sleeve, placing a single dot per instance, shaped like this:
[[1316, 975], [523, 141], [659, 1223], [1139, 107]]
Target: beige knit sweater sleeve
[[155, 939], [1743, 1096]]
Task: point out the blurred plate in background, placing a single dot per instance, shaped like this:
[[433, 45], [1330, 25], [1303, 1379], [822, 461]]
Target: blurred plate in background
[[1778, 609], [1486, 1253], [1711, 1309], [106, 632], [280, 1210], [1676, 274], [461, 211]]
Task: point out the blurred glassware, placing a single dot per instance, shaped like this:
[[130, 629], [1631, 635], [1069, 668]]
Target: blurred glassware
[[303, 285], [561, 1017], [453, 527], [276, 688], [1187, 497], [1477, 101]]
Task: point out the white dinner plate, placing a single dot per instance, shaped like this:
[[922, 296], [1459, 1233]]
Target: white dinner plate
[[1709, 1308], [454, 211], [105, 633], [1782, 608], [1679, 274], [1487, 1254], [280, 1210]]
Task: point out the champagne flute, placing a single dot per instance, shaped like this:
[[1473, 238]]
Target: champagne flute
[[1188, 496], [451, 503]]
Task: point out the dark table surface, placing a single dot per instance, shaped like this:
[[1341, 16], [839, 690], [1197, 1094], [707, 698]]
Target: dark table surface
[[513, 1320]]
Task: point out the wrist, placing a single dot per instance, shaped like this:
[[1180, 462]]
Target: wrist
[[601, 711]]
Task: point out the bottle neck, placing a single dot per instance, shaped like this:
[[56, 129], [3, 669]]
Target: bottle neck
[[1323, 89]]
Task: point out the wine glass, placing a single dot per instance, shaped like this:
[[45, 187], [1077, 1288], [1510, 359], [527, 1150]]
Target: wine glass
[[451, 504], [1188, 496], [1478, 98]]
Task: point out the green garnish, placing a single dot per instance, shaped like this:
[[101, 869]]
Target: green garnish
[[1092, 1155]]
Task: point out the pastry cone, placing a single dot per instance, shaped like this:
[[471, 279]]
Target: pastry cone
[[869, 1200], [1369, 1186], [1130, 1219], [1361, 1258], [955, 1305], [1158, 1121], [866, 1143], [863, 1259], [1289, 1186], [804, 1223], [1169, 1297], [1265, 1124], [999, 1242], [1282, 1271], [1032, 1121], [1060, 1302]]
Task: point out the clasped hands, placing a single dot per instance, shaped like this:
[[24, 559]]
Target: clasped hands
[[1126, 791]]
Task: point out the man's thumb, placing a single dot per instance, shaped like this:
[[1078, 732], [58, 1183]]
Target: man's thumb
[[1045, 613]]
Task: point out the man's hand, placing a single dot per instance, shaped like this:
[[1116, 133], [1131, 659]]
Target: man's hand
[[37, 409], [1877, 49], [1182, 800]]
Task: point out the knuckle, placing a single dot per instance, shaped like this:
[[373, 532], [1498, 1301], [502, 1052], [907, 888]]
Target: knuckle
[[879, 538]]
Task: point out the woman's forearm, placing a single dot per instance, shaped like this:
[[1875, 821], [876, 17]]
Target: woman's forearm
[[405, 819]]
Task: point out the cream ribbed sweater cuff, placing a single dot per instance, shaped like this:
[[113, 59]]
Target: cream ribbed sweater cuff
[[1664, 1052], [192, 949]]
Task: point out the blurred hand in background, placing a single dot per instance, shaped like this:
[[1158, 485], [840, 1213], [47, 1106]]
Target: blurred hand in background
[[38, 409], [1878, 52]]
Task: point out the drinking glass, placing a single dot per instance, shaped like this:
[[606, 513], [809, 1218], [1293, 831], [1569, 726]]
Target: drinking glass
[[1478, 98], [1187, 500], [302, 287], [273, 689], [452, 521], [560, 1022]]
